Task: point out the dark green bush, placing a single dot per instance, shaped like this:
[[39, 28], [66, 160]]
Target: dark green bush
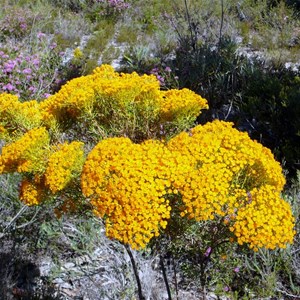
[[294, 3], [258, 96], [214, 71], [73, 5], [270, 104]]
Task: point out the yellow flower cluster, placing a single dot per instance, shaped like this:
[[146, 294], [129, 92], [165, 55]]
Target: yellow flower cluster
[[125, 89], [17, 117], [31, 192], [104, 88], [8, 107], [126, 183], [74, 98], [31, 155], [213, 169], [26, 154], [133, 102], [266, 221], [180, 104], [219, 168], [211, 172], [64, 165], [117, 97]]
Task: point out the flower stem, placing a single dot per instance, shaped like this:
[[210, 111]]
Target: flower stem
[[137, 278]]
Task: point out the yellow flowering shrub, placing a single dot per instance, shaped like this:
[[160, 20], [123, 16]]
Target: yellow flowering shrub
[[26, 154], [64, 165], [136, 182], [219, 168], [122, 104], [126, 183]]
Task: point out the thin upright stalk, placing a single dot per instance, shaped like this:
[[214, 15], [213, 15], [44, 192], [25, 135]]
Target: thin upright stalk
[[165, 277], [193, 39], [175, 277], [222, 21], [136, 274]]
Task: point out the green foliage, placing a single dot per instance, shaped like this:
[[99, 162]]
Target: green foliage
[[271, 101], [194, 249], [271, 24], [103, 32], [210, 69], [73, 5], [127, 34], [138, 59]]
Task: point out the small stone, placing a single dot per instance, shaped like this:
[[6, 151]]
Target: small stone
[[58, 281], [66, 285], [45, 266], [68, 265]]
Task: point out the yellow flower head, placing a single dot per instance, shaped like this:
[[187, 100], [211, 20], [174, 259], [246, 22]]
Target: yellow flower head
[[27, 154], [31, 192], [266, 221], [126, 183], [64, 165], [17, 117]]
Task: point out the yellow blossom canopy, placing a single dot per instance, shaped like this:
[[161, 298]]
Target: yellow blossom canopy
[[138, 182], [215, 171], [126, 183]]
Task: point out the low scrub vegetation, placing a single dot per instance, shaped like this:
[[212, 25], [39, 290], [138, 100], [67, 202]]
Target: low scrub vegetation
[[179, 164]]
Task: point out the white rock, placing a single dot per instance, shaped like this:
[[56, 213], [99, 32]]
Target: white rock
[[45, 266], [68, 265]]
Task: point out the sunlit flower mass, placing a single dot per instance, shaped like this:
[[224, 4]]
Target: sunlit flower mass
[[210, 172], [217, 172], [127, 183]]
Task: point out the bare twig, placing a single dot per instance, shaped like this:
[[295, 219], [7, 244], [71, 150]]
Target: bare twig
[[31, 220], [20, 212], [229, 110], [190, 24], [295, 251], [175, 277], [222, 21], [288, 294]]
